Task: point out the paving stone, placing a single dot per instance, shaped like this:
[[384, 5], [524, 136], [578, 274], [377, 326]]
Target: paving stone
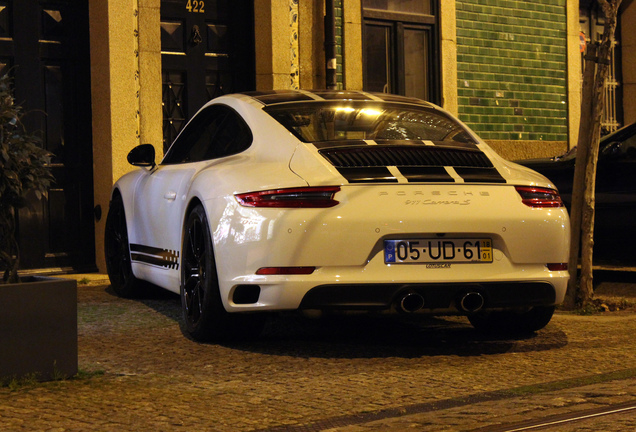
[[140, 372]]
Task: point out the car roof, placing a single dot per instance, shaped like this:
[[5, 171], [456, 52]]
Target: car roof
[[274, 97], [621, 134]]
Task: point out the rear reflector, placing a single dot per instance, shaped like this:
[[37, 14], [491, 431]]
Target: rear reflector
[[308, 197], [285, 270], [539, 197], [557, 266]]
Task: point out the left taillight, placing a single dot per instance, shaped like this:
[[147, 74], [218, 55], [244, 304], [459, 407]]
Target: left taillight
[[537, 197], [307, 197]]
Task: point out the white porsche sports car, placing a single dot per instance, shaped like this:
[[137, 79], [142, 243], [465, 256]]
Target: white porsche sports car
[[325, 200]]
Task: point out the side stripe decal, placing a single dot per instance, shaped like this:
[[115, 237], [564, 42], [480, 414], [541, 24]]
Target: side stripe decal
[[166, 258]]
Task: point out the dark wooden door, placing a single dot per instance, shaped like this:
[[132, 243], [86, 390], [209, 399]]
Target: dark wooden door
[[207, 49], [44, 45]]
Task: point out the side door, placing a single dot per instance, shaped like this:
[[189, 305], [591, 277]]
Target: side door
[[161, 198]]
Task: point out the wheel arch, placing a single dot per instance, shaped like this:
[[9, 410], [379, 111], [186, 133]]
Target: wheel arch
[[194, 202]]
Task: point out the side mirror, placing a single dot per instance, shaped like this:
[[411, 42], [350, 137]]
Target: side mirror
[[143, 156]]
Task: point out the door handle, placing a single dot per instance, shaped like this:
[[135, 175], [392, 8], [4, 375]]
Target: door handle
[[170, 196]]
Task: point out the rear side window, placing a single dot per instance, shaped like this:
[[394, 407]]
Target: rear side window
[[351, 120], [215, 132]]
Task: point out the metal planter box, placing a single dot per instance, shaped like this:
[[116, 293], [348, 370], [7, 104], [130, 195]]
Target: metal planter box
[[38, 329]]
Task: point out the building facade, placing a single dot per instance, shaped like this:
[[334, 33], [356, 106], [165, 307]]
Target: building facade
[[113, 74]]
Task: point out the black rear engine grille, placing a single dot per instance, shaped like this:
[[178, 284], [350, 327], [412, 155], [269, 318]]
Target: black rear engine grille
[[405, 156]]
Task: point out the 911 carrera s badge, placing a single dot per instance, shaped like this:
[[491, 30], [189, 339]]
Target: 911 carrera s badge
[[435, 193], [436, 202]]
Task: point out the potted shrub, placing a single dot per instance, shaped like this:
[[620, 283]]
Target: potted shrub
[[38, 315]]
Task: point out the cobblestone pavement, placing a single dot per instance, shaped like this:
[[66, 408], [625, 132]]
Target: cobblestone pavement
[[354, 374]]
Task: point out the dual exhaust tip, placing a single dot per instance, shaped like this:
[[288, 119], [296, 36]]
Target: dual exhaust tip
[[468, 302]]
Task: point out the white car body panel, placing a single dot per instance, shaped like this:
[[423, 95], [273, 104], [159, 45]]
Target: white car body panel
[[344, 242], [275, 237]]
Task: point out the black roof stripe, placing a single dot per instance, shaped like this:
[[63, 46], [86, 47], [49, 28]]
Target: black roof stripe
[[279, 96]]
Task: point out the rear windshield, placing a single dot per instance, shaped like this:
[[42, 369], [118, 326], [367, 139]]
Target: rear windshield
[[350, 120]]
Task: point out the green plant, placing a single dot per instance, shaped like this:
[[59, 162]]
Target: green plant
[[85, 375], [14, 383], [588, 309], [24, 167]]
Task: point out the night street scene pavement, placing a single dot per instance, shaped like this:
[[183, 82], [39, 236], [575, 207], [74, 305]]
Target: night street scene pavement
[[337, 373]]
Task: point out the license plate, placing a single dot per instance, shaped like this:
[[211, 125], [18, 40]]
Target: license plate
[[437, 251]]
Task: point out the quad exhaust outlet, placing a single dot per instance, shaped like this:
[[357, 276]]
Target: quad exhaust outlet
[[468, 302], [411, 302], [471, 302]]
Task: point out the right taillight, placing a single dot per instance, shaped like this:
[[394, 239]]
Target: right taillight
[[537, 197]]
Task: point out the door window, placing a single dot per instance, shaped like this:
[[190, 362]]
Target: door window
[[416, 62], [215, 132], [378, 76], [400, 48], [409, 6]]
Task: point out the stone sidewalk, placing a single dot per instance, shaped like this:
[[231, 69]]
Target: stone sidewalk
[[353, 374]]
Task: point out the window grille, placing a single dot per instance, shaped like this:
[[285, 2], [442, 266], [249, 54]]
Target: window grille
[[591, 24]]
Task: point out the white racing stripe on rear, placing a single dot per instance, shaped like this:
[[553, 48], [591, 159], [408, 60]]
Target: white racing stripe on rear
[[451, 172], [372, 97], [397, 174]]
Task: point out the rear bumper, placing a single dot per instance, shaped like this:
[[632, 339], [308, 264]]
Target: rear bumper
[[436, 297]]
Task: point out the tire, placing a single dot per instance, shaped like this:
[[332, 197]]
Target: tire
[[204, 315], [512, 323], [117, 251]]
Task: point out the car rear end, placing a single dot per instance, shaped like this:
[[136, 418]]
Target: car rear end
[[379, 244], [394, 222]]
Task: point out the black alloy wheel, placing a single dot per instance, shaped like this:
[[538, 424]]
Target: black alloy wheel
[[204, 315], [117, 251], [196, 275]]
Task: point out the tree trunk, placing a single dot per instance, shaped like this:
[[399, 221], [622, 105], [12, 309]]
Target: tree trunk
[[583, 201], [578, 185], [602, 69]]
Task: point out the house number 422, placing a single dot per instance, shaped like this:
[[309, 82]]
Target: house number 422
[[196, 6]]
